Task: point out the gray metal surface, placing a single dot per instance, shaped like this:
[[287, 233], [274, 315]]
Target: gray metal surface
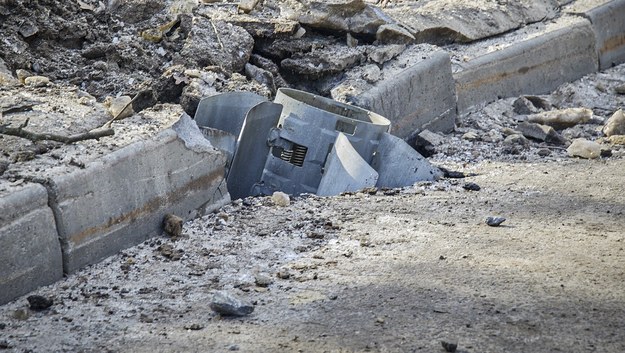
[[226, 111], [345, 170], [249, 160]]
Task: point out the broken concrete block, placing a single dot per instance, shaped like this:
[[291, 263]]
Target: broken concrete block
[[29, 246], [132, 189], [584, 149], [541, 133], [562, 118], [615, 124]]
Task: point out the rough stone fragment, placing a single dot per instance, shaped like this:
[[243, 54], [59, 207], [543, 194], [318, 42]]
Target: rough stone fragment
[[280, 199], [384, 53], [120, 107], [524, 106], [495, 221], [38, 302], [617, 139], [262, 76], [562, 118], [247, 5], [227, 304], [584, 149], [37, 81], [615, 124], [133, 11], [172, 225], [323, 62], [353, 16], [216, 43], [393, 34], [541, 133], [516, 140]]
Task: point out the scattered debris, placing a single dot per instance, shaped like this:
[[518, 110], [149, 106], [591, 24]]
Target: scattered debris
[[120, 107], [38, 302], [541, 132], [36, 81], [194, 327], [495, 221], [33, 136], [227, 304], [172, 225], [168, 251]]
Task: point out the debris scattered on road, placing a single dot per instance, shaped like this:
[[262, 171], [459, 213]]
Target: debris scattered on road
[[471, 187], [227, 304], [615, 124], [562, 118], [280, 199], [495, 221], [584, 149], [172, 225], [38, 302]]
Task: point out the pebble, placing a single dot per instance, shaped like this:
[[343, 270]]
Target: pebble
[[470, 136], [227, 304], [118, 104], [495, 221], [263, 280], [617, 139], [584, 149], [38, 302], [615, 124], [541, 132], [544, 152], [36, 81], [172, 225], [471, 187], [516, 140], [280, 199], [620, 89]]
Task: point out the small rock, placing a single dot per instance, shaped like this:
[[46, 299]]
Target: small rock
[[36, 81], [120, 107], [38, 302], [172, 225], [614, 139], [393, 34], [584, 149], [283, 274], [471, 187], [5, 345], [470, 136], [495, 221], [516, 140], [563, 118], [21, 314], [28, 29], [351, 41], [263, 280], [384, 53], [541, 132], [247, 5], [492, 136], [227, 304], [615, 124], [432, 137], [170, 252], [544, 152], [449, 346], [524, 106], [280, 199], [194, 327], [620, 89]]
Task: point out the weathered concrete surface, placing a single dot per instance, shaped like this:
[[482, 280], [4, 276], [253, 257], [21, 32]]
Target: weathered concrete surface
[[29, 250], [608, 22], [536, 65], [416, 92], [121, 199]]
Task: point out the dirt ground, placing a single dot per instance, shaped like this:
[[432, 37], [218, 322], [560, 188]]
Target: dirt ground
[[366, 272]]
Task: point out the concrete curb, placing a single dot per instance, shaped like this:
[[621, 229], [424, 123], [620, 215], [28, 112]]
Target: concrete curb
[[534, 66], [132, 189], [29, 249], [608, 22]]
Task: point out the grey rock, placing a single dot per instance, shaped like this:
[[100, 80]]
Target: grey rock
[[38, 302], [620, 89], [354, 16], [495, 221], [432, 137], [133, 11], [615, 124], [541, 132], [384, 53], [524, 106], [230, 47], [471, 187], [393, 34], [516, 140], [326, 61], [227, 304], [260, 75]]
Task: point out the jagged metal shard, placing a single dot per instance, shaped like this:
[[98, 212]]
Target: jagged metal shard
[[304, 143]]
